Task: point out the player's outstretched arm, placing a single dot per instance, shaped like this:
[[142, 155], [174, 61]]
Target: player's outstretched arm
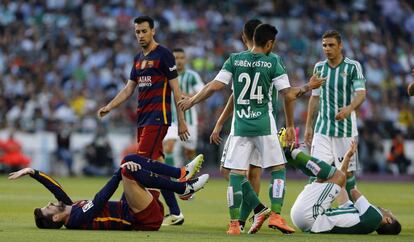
[[182, 125], [314, 82], [313, 106], [205, 93], [226, 114], [123, 95], [348, 155], [289, 107], [52, 185]]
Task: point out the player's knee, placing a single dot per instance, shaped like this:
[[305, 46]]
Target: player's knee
[[339, 178], [224, 172], [127, 173], [254, 174], [168, 147]]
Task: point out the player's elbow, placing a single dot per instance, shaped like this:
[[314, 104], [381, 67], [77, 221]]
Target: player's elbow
[[291, 95], [361, 94]]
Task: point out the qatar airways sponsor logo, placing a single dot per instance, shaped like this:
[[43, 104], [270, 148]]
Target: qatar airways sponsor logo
[[144, 81]]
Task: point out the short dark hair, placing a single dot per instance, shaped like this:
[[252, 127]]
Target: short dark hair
[[178, 50], [263, 33], [249, 27], [45, 222], [332, 34], [393, 228], [144, 18]]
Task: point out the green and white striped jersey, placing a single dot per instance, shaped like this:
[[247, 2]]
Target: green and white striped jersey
[[336, 93], [190, 83], [275, 96], [360, 218], [254, 77]]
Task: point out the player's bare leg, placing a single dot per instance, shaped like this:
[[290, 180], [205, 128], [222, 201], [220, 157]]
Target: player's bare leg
[[137, 196]]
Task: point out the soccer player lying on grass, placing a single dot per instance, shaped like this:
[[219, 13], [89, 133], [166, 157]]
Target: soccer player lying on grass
[[138, 209], [312, 211]]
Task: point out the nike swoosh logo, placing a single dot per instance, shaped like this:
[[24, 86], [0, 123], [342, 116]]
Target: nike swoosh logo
[[172, 68]]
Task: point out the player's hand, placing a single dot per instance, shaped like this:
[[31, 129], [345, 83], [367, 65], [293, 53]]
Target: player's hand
[[343, 113], [215, 135], [351, 150], [316, 81], [184, 103], [103, 111], [290, 136], [308, 136], [183, 131], [20, 173], [132, 166]]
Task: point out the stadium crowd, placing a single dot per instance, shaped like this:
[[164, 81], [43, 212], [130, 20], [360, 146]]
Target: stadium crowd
[[60, 60]]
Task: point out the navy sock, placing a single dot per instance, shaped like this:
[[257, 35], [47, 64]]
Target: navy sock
[[171, 202], [154, 166], [151, 180]]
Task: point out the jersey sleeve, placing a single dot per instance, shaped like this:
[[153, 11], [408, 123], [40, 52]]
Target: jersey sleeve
[[197, 83], [226, 72], [280, 79], [91, 208], [168, 65], [107, 191], [133, 73], [317, 91], [53, 186], [358, 79]]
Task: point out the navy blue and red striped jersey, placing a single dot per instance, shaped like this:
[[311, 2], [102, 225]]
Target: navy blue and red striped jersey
[[152, 73]]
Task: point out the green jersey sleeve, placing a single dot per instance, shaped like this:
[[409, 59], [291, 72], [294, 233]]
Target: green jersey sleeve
[[228, 64], [358, 79]]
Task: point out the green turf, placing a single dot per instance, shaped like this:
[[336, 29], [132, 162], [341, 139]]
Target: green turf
[[206, 216]]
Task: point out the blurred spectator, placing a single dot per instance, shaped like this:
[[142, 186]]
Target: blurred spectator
[[11, 155], [63, 151], [370, 152], [397, 161], [98, 156]]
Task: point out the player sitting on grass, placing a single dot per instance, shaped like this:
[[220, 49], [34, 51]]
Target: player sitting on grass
[[138, 209], [312, 211]]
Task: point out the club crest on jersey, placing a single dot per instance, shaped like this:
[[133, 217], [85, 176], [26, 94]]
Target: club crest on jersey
[[87, 206], [143, 64], [344, 74]]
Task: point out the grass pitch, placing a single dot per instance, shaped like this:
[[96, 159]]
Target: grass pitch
[[206, 217]]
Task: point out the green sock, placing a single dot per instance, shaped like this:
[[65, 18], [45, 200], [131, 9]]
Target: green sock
[[235, 195], [350, 184], [249, 195], [310, 165], [277, 190], [169, 159], [245, 208]]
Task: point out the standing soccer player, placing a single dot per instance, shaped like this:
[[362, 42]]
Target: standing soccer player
[[342, 93], [190, 83], [255, 170], [255, 74], [155, 73]]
